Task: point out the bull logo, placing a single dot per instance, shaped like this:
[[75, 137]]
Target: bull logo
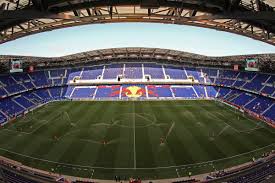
[[133, 91]]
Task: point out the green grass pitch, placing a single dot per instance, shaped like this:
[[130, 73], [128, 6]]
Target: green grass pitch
[[148, 139]]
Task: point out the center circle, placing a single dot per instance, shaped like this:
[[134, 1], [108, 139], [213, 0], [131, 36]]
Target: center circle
[[139, 120]]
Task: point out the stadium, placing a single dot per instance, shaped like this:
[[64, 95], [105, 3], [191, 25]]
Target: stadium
[[137, 114]]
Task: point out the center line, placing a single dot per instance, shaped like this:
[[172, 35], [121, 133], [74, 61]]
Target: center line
[[134, 130]]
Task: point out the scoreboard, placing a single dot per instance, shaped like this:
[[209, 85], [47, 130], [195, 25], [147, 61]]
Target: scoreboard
[[16, 66], [252, 64]]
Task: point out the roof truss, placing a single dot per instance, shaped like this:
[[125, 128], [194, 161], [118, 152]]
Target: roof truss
[[254, 19]]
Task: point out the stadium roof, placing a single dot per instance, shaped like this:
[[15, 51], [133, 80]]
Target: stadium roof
[[252, 18], [138, 53]]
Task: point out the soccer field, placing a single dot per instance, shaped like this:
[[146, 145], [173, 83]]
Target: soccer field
[[148, 139]]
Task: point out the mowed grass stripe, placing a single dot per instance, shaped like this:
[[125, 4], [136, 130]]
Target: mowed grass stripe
[[60, 147], [261, 138], [161, 152], [144, 152], [63, 144], [106, 156], [73, 146], [226, 119], [198, 143], [56, 117], [219, 132], [251, 138], [195, 132], [235, 118], [179, 147], [88, 155]]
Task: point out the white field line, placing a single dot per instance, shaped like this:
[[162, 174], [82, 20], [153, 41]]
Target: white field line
[[231, 127], [223, 130], [265, 127], [96, 124], [98, 142], [34, 130], [27, 133], [257, 124], [178, 105], [135, 152], [65, 113], [169, 131], [257, 127], [47, 121], [134, 130], [92, 173], [177, 172], [227, 124], [29, 120], [146, 119], [253, 121], [15, 131], [91, 141], [144, 116], [251, 130], [216, 117], [244, 131], [43, 124], [125, 168], [69, 133]]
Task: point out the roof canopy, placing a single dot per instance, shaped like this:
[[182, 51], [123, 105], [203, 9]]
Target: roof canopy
[[251, 18]]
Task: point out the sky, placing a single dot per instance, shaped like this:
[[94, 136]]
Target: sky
[[100, 36]]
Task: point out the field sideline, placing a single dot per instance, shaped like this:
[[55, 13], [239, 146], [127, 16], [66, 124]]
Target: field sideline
[[148, 139]]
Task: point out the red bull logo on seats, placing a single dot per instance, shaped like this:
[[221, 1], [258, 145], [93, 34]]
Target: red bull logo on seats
[[152, 91], [133, 92]]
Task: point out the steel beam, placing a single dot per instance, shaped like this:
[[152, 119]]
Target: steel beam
[[225, 15]]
